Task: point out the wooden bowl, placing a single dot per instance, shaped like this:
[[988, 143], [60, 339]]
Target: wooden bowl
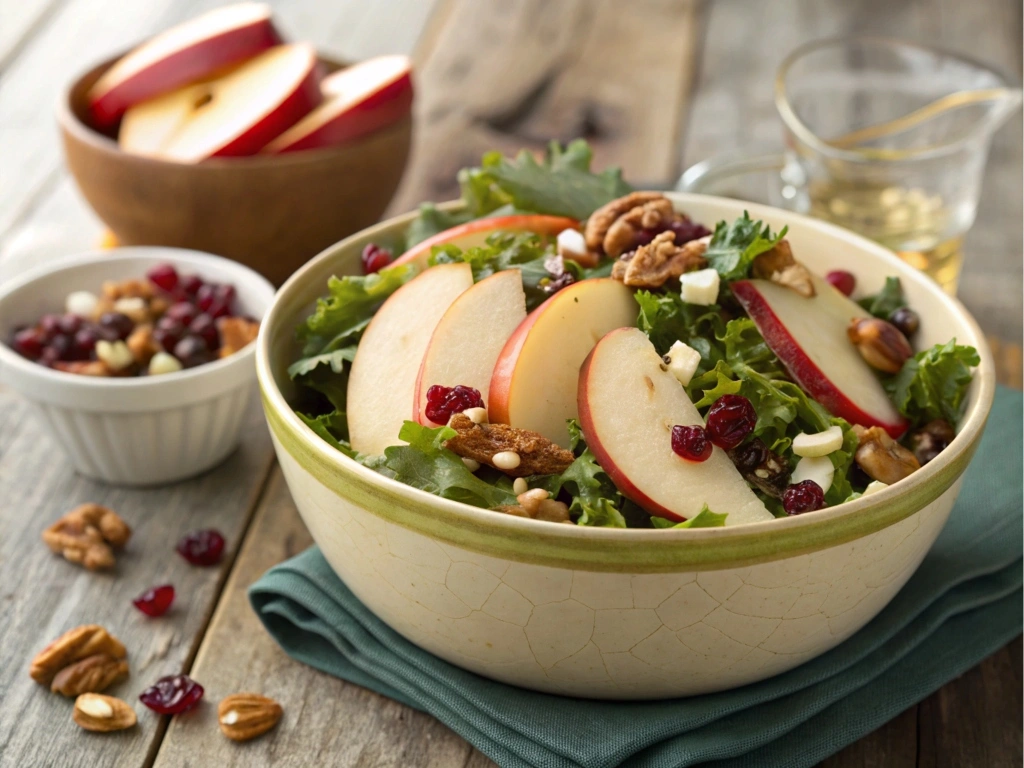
[[270, 213]]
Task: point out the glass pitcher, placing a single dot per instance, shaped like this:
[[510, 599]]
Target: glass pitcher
[[883, 137]]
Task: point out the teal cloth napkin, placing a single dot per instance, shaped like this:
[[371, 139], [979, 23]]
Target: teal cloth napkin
[[964, 603]]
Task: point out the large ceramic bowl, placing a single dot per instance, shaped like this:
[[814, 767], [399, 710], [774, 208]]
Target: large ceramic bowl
[[621, 613]]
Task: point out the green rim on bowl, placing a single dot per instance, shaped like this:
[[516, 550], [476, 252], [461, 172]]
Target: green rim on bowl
[[600, 549]]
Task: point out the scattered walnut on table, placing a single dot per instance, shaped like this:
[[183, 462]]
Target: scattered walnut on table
[[483, 442], [881, 457], [87, 534], [654, 264]]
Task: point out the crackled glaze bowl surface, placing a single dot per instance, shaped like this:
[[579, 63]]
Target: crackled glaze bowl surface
[[623, 614]]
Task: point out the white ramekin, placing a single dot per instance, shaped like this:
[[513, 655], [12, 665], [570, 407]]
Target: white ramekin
[[133, 431]]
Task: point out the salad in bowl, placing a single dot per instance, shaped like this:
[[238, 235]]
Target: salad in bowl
[[564, 348]]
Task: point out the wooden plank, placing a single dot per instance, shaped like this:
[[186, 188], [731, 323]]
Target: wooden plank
[[325, 720], [506, 75], [733, 109], [43, 596], [974, 722]]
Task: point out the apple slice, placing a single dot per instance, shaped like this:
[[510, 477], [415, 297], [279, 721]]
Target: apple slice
[[235, 114], [182, 55], [474, 233], [535, 377], [467, 340], [628, 404], [358, 100], [809, 337], [382, 382]]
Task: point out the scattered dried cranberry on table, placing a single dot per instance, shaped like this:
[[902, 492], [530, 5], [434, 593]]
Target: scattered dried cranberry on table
[[201, 547], [156, 601], [172, 695], [138, 327]]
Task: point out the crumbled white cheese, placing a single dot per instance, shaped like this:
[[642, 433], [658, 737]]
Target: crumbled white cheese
[[818, 444], [700, 287], [571, 243], [682, 361]]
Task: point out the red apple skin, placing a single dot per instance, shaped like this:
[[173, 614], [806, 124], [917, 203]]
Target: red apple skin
[[540, 224], [501, 379], [810, 378], [621, 482], [381, 109], [297, 105], [179, 69]]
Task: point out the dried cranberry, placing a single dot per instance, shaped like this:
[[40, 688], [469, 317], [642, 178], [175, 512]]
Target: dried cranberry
[[643, 237], [116, 323], [442, 402], [49, 326], [691, 443], [686, 230], [192, 351], [843, 281], [172, 695], [906, 320], [223, 298], [164, 277], [374, 258], [29, 342], [205, 327], [155, 601], [190, 285], [85, 343], [805, 496], [61, 345], [182, 311], [70, 324], [201, 547], [48, 357], [730, 419], [205, 296]]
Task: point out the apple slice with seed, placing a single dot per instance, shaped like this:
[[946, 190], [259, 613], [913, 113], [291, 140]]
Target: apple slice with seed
[[180, 56], [628, 404]]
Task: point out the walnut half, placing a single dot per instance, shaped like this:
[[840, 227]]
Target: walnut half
[[779, 266], [86, 534], [661, 260]]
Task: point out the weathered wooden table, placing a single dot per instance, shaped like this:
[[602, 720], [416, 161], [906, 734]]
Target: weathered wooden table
[[654, 85]]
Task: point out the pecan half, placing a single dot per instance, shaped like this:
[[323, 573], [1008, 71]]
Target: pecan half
[[881, 344], [90, 675], [102, 714], [779, 266], [244, 716], [86, 534], [235, 333], [881, 457], [482, 442], [601, 220], [654, 264], [74, 645]]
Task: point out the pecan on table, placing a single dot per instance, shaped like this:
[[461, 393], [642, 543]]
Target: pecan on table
[[90, 675], [494, 444], [86, 535], [654, 264], [73, 646]]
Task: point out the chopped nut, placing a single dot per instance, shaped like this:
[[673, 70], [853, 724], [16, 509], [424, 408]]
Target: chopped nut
[[779, 266], [83, 367], [552, 511], [931, 439], [235, 334], [768, 471], [881, 344], [519, 486], [536, 505], [142, 345], [162, 363], [86, 534], [103, 714], [652, 265], [505, 460], [135, 308], [482, 442], [127, 289], [476, 415], [601, 220], [471, 465], [244, 716], [90, 675], [881, 457], [74, 645], [115, 355], [157, 306], [530, 500]]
